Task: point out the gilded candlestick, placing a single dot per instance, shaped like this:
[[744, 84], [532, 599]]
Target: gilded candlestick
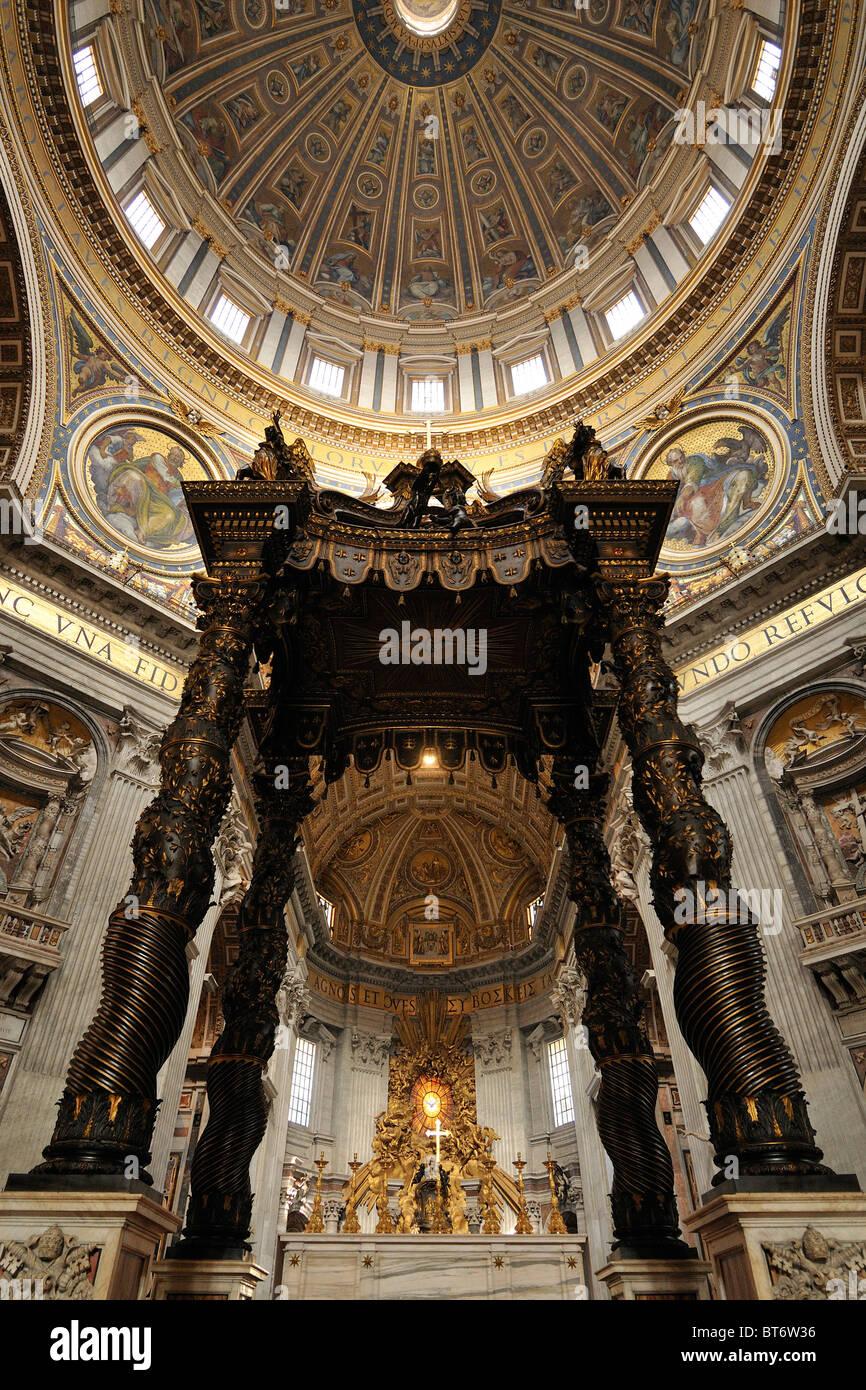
[[555, 1226], [351, 1225], [316, 1225], [524, 1225]]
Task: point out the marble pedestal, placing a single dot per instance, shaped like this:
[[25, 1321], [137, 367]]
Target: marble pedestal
[[471, 1267], [748, 1235], [111, 1234], [231, 1281], [635, 1281]]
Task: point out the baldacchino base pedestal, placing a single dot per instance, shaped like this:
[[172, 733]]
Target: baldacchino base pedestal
[[77, 1241], [781, 1243], [635, 1281], [230, 1281]]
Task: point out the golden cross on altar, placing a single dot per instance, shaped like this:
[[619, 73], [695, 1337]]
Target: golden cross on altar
[[440, 1133]]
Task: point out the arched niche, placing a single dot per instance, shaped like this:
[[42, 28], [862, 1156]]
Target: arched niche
[[812, 747], [51, 754]]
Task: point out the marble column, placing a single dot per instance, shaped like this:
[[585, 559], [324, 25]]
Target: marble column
[[266, 1174], [569, 996], [497, 1066], [365, 1065]]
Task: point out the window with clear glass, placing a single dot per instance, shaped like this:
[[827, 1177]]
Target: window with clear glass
[[560, 1082], [709, 214], [229, 318], [328, 911], [528, 375], [532, 912], [144, 219], [301, 1094], [624, 315], [87, 75], [428, 395], [767, 70], [326, 377]]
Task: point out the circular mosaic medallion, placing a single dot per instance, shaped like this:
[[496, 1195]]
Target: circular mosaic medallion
[[730, 472], [575, 83], [426, 195], [278, 87], [535, 143], [429, 868], [318, 148], [483, 182], [369, 185], [428, 42], [127, 475], [255, 13]]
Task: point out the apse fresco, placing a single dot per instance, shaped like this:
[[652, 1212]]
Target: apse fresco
[[329, 140], [726, 471]]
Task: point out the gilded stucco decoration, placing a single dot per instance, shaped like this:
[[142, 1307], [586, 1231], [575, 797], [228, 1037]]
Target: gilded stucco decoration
[[428, 889]]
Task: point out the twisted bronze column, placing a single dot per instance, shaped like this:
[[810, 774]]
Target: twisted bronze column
[[218, 1219], [756, 1105], [642, 1197], [108, 1107]]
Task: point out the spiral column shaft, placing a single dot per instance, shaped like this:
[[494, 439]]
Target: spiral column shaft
[[642, 1196], [218, 1219], [108, 1107], [756, 1106]]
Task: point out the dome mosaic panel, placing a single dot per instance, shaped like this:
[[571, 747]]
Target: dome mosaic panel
[[428, 158]]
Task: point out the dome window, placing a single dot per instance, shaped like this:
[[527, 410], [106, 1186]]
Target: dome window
[[709, 214], [229, 318], [533, 913], [326, 377], [428, 395], [528, 375], [625, 315], [767, 70], [144, 220], [87, 75]]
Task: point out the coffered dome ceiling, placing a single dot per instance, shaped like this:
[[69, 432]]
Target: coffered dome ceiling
[[426, 157], [431, 875], [420, 187]]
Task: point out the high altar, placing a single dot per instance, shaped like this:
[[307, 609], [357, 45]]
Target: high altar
[[428, 1153]]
